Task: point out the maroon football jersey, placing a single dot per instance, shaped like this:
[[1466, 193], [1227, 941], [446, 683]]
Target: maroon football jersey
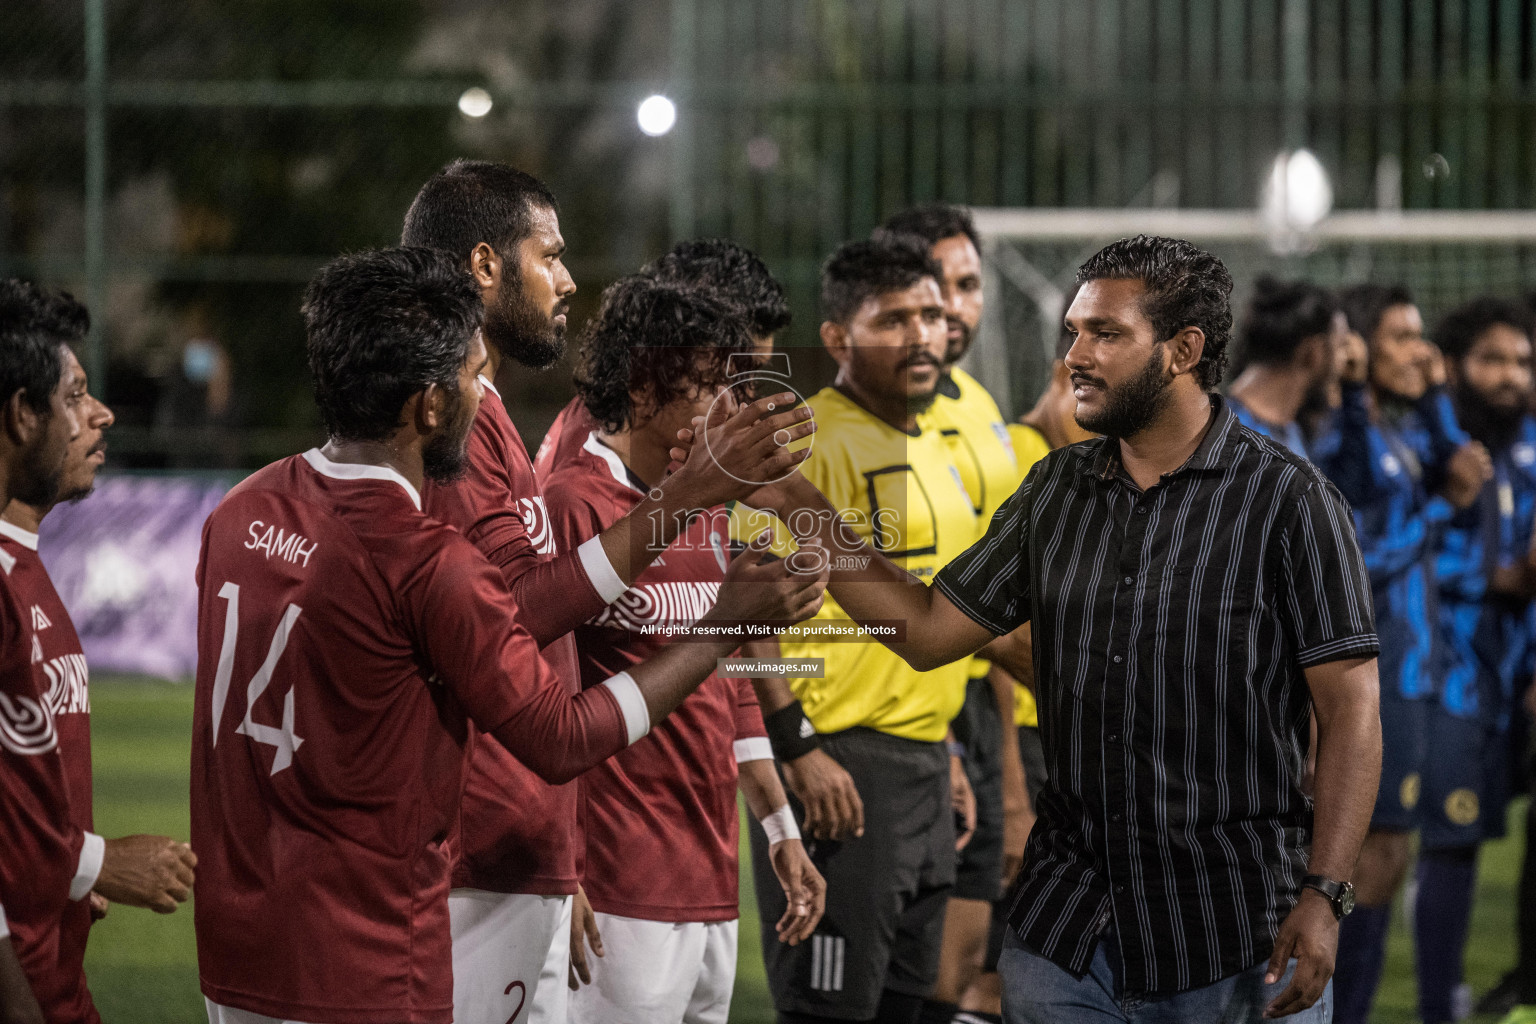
[[660, 819], [343, 637], [518, 833], [39, 844], [564, 439], [67, 695]]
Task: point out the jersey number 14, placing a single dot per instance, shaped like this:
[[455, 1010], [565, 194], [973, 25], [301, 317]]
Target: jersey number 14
[[282, 737]]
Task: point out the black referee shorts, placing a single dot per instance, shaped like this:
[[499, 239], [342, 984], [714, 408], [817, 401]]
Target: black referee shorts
[[886, 890], [979, 728]]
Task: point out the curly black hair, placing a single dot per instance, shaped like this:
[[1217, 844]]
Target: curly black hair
[[734, 273], [34, 322], [1280, 316], [1459, 329], [474, 201], [858, 271], [1365, 304], [657, 339], [1185, 287], [382, 325]]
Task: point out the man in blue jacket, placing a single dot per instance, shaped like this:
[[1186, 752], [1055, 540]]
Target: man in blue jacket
[[1396, 452], [1486, 577]]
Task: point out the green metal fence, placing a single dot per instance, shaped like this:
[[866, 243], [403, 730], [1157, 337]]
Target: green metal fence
[[186, 165]]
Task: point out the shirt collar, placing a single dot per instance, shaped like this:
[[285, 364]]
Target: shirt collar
[[1214, 451], [359, 471], [25, 538], [486, 382], [610, 458]]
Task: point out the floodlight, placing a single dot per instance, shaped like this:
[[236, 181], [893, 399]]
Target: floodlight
[[656, 115], [475, 102], [1297, 194]]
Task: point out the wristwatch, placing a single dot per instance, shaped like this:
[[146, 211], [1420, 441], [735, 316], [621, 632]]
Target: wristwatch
[[1341, 895]]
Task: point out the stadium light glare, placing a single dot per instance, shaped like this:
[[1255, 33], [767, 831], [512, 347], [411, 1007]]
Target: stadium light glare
[[656, 115], [475, 102], [1297, 193]]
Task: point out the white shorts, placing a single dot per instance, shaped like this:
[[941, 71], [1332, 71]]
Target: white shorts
[[653, 972], [502, 947], [218, 1014]]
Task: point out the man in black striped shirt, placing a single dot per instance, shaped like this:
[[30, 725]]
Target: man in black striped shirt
[[1195, 590]]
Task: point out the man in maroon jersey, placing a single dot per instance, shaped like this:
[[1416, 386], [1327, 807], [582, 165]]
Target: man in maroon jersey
[[511, 902], [142, 870], [51, 726], [661, 821], [39, 856], [737, 277], [328, 743]]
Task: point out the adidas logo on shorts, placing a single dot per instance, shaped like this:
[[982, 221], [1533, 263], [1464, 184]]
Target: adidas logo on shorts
[[827, 962]]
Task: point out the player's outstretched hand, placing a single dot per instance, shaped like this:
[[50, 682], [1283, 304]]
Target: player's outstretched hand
[[1310, 936], [773, 496], [737, 450], [833, 809], [147, 871], [804, 889], [583, 932], [782, 590], [963, 799], [683, 445]]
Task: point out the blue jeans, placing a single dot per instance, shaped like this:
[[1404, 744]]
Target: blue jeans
[[1036, 991]]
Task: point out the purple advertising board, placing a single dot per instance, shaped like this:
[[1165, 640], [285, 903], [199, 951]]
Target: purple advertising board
[[124, 561]]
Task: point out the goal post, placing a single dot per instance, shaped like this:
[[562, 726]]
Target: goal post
[[1030, 259]]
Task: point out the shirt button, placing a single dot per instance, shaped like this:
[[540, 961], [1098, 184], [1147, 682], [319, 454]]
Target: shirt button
[[1120, 889], [1117, 817], [1118, 659], [1129, 581], [1114, 737], [1141, 510]]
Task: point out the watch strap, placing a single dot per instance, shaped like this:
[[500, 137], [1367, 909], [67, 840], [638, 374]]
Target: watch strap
[[1323, 884]]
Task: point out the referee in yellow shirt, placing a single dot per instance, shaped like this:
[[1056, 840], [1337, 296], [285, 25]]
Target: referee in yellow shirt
[[991, 468], [887, 469]]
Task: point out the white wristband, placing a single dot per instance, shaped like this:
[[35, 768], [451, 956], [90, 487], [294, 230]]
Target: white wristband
[[93, 852], [780, 825], [637, 717], [604, 577]]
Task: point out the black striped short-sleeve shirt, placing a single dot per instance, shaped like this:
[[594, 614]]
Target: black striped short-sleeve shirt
[[1171, 630]]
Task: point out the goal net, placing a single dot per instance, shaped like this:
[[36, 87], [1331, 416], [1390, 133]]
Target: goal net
[[1030, 259]]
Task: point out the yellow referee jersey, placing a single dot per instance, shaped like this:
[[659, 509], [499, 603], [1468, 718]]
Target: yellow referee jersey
[[1030, 446], [979, 443], [903, 495], [982, 448]]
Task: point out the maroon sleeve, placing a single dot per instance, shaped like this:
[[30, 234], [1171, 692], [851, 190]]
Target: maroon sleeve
[[573, 512], [472, 634], [555, 597], [481, 503], [749, 714], [490, 505]]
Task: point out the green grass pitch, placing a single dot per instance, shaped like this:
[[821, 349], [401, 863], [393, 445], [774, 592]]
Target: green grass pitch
[[143, 967]]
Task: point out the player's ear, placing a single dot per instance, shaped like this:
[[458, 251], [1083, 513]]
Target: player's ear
[[1185, 349], [424, 409], [485, 266], [19, 420], [834, 338]]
